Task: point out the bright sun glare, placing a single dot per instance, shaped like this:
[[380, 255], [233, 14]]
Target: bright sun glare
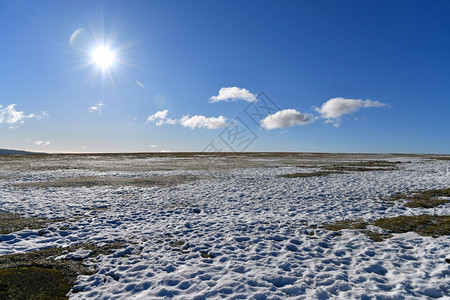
[[103, 57]]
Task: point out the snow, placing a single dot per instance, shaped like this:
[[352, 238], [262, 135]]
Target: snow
[[78, 254], [242, 233]]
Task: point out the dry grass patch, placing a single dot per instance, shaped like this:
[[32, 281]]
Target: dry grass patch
[[425, 225], [342, 169], [11, 222], [359, 225], [160, 181], [347, 224], [376, 163], [425, 199], [442, 157], [204, 254], [345, 167], [365, 166], [309, 174], [177, 244], [38, 283], [377, 236], [36, 275]]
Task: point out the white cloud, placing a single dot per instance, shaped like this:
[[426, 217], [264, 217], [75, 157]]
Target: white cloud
[[203, 122], [154, 146], [40, 115], [160, 118], [335, 108], [97, 107], [234, 94], [286, 118], [10, 115], [159, 115], [41, 143], [167, 121]]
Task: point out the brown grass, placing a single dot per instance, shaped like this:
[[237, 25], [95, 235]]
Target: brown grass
[[206, 255], [426, 225], [365, 166], [160, 181], [38, 283], [425, 199], [177, 244], [142, 162], [35, 275], [345, 167], [359, 225], [377, 236], [309, 174], [347, 224], [11, 222], [423, 224], [442, 157]]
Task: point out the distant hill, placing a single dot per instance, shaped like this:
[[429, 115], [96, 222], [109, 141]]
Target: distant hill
[[7, 151]]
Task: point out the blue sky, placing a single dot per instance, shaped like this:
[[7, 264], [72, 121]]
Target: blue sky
[[340, 76]]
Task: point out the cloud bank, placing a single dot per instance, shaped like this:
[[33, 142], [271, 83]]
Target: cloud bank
[[233, 94], [10, 115], [197, 121], [332, 110], [286, 118]]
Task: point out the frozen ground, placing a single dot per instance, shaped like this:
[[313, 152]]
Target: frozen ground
[[236, 230]]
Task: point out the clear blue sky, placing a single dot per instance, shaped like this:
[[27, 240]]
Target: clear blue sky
[[345, 76]]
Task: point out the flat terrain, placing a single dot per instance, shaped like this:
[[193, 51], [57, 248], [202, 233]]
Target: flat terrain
[[226, 225]]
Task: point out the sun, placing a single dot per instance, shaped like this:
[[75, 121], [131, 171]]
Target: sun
[[103, 56]]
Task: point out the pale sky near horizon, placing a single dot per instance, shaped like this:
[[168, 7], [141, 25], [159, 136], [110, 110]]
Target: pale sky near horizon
[[151, 76]]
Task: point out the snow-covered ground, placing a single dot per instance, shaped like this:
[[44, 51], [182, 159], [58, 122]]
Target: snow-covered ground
[[238, 233]]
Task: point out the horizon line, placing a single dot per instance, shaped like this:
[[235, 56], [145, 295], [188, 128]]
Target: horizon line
[[30, 152]]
